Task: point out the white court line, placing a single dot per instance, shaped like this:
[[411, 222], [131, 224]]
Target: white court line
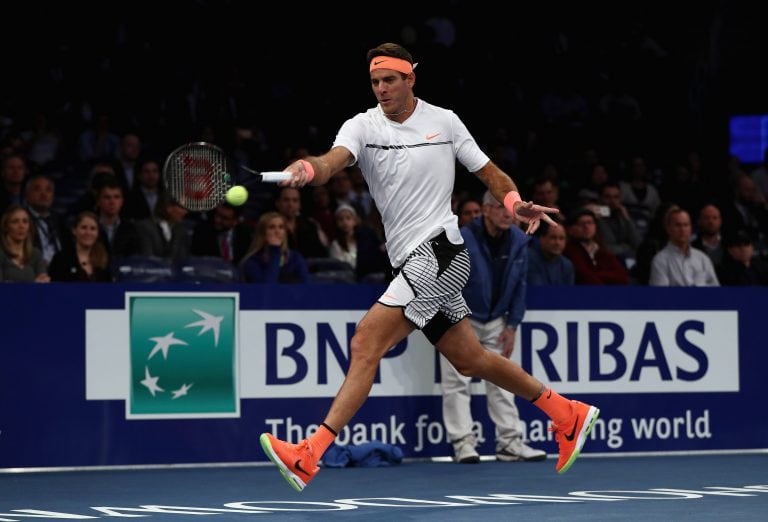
[[684, 453], [425, 459]]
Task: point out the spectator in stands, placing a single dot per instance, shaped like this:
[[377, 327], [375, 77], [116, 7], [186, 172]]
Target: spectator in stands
[[142, 199], [20, 260], [344, 247], [469, 210], [740, 266], [51, 229], [98, 142], [639, 195], [357, 245], [128, 157], [593, 263], [269, 259], [13, 172], [118, 235], [86, 260], [709, 238], [564, 186], [303, 232], [655, 239], [164, 234], [616, 229], [495, 293], [546, 192], [747, 211], [360, 195], [546, 263], [343, 193], [590, 192], [679, 264], [223, 235], [323, 212], [44, 142], [98, 175]]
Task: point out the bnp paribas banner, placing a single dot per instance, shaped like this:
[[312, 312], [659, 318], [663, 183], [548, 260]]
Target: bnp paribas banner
[[186, 351]]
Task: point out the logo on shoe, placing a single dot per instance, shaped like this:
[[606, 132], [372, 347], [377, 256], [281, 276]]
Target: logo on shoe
[[297, 465], [569, 436]]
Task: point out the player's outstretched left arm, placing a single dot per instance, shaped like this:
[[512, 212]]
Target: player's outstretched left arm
[[505, 191], [317, 170]]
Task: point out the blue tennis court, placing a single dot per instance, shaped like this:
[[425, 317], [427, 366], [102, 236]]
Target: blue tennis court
[[702, 487]]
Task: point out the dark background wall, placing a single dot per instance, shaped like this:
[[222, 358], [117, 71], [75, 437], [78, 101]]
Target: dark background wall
[[299, 72]]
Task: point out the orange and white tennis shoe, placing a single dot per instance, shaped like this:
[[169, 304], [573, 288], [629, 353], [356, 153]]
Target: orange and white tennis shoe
[[572, 435], [297, 462]]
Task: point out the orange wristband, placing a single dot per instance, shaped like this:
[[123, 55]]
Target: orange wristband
[[308, 169], [510, 199]]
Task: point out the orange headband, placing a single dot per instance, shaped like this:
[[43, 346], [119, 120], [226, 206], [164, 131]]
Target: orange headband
[[388, 62]]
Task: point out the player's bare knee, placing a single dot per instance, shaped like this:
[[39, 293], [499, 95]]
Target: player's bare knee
[[363, 349], [466, 366], [477, 365]]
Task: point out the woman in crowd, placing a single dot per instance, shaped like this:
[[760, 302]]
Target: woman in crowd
[[269, 260], [356, 244], [85, 261], [20, 261]]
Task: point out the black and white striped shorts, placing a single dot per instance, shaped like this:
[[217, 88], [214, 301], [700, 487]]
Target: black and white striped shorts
[[428, 286]]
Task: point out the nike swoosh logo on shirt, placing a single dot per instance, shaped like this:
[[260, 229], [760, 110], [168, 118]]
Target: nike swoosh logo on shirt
[[432, 136]]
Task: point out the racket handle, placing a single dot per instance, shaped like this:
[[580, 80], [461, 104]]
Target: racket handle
[[275, 177]]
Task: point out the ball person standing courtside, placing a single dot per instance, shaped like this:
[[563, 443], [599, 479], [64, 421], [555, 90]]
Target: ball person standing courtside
[[495, 293]]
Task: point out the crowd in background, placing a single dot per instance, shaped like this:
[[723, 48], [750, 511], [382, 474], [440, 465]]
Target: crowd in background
[[622, 126]]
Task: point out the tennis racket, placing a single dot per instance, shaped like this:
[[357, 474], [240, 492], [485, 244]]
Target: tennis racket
[[197, 175]]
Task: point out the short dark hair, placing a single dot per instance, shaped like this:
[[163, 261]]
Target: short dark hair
[[612, 183], [389, 49], [544, 227], [109, 181], [573, 218]]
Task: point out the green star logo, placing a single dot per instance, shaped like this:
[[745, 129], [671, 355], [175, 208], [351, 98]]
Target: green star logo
[[183, 356]]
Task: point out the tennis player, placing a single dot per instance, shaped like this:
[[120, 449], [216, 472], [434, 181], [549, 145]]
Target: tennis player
[[406, 149]]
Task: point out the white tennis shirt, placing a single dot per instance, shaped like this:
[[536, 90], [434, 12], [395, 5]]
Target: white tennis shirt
[[410, 169]]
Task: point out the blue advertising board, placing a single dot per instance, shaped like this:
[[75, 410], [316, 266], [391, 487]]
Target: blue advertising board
[[114, 374]]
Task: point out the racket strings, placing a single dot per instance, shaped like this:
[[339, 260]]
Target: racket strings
[[196, 176]]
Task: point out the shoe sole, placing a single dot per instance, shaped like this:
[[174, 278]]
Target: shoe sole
[[469, 460], [289, 476], [511, 458], [589, 422]]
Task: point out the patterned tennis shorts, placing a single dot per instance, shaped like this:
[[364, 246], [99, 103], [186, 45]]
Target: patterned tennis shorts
[[428, 286]]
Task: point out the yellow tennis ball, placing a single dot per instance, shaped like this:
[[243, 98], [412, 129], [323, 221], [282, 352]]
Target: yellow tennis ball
[[237, 195]]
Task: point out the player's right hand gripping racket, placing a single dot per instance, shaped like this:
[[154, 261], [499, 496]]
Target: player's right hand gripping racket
[[197, 176]]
